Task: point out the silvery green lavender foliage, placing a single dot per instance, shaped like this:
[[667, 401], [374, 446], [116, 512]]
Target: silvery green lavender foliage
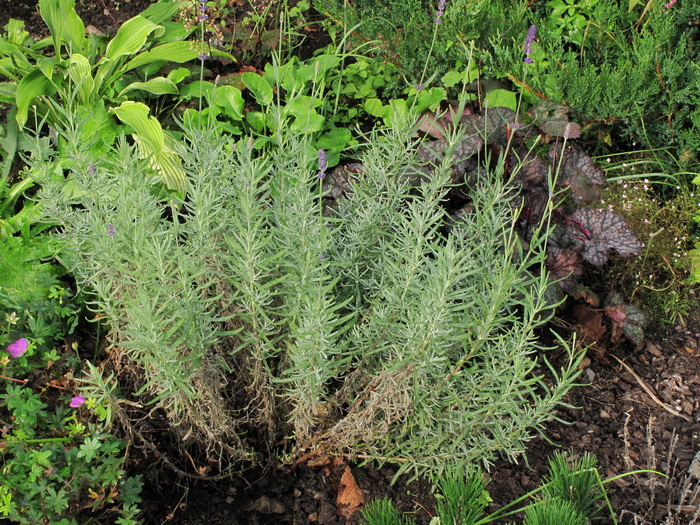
[[366, 330]]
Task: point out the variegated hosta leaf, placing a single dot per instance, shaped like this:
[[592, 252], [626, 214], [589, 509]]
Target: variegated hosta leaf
[[155, 144]]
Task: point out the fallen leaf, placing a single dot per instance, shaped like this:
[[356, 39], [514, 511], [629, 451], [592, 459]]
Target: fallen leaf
[[350, 496], [590, 322]]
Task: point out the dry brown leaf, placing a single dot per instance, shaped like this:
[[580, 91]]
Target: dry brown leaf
[[590, 322], [350, 496]]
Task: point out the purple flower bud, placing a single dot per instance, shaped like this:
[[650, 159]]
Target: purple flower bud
[[110, 230], [77, 401], [202, 17], [203, 56], [18, 348]]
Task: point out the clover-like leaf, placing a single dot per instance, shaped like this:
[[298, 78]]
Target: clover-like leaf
[[600, 232], [578, 172]]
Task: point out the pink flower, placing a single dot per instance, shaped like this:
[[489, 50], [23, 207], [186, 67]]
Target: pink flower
[[670, 4], [77, 401], [18, 348]]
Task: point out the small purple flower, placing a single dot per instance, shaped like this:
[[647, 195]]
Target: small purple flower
[[91, 168], [531, 34], [77, 401], [322, 164], [203, 56], [202, 17], [670, 4], [18, 348], [420, 87], [110, 230], [440, 12]]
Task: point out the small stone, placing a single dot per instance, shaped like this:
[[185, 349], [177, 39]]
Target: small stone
[[604, 414], [590, 375], [585, 363], [265, 505]]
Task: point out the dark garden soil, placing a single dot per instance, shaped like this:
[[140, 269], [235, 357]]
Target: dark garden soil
[[639, 410]]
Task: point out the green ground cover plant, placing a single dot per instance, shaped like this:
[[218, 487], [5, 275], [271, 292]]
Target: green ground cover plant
[[58, 463], [572, 494]]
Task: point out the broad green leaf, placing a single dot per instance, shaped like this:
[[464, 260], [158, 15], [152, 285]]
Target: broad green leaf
[[256, 119], [260, 89], [131, 37], [501, 98], [15, 32], [8, 92], [374, 107], [161, 12], [79, 71], [309, 123], [231, 99], [197, 89], [64, 23], [179, 74], [326, 62], [47, 65], [157, 86], [33, 85], [154, 143], [428, 98], [178, 52]]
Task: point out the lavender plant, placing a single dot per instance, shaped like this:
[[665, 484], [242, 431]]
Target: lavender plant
[[361, 328]]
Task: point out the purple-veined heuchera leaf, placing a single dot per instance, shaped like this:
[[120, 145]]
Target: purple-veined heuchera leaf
[[600, 232], [578, 172]]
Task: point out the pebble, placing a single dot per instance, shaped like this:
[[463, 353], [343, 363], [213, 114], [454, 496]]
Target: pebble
[[604, 414]]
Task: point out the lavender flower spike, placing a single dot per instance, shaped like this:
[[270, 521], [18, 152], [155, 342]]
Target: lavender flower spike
[[531, 34], [440, 11], [322, 164]]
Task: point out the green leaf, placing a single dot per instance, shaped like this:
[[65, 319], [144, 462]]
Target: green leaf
[[79, 71], [131, 37], [308, 123], [256, 119], [179, 74], [260, 89], [161, 12], [33, 85], [429, 97], [501, 98], [177, 52], [231, 99], [64, 23], [154, 144], [196, 89], [374, 107], [157, 86]]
